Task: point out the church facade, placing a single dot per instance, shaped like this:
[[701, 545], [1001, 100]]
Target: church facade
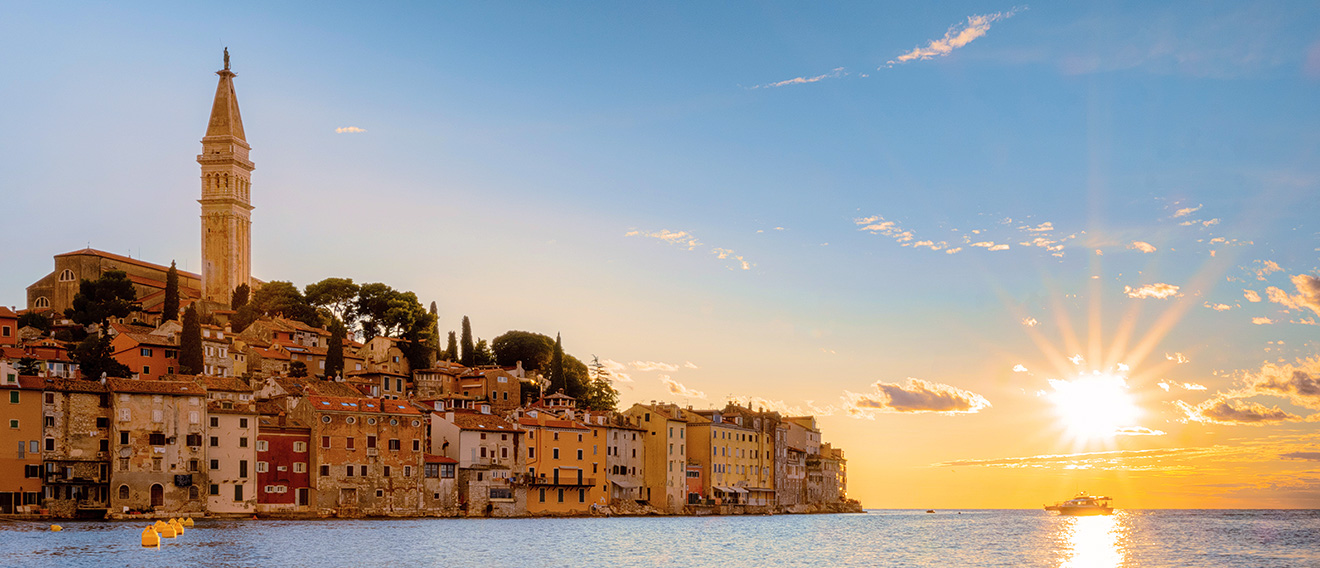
[[226, 176]]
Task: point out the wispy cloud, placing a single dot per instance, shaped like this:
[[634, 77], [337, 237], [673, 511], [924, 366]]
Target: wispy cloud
[[1218, 307], [834, 74], [1306, 298], [1158, 290], [1265, 269], [989, 245], [1142, 246], [680, 389], [1225, 410], [1030, 322], [1167, 385], [1178, 358], [618, 370], [1251, 295], [1261, 320], [1299, 382], [691, 242], [1137, 431], [958, 35], [1185, 211], [1019, 368], [1307, 456], [915, 396], [690, 365], [349, 130], [654, 366]]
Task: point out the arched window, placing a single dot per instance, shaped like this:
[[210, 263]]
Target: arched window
[[42, 302], [192, 492], [67, 276], [123, 492]]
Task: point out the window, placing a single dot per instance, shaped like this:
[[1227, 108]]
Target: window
[[13, 397], [123, 438], [50, 443], [300, 467], [325, 471], [325, 441], [194, 465], [417, 446], [156, 439], [156, 464], [215, 422], [579, 452], [387, 471], [157, 415], [262, 445], [394, 444], [300, 447], [123, 492], [531, 453], [42, 302], [242, 468], [124, 415], [242, 422], [349, 442], [215, 441], [243, 442], [561, 495], [348, 470], [13, 423], [238, 492], [371, 441], [263, 467], [67, 276], [556, 453], [215, 464], [215, 489], [50, 399], [145, 352], [407, 471], [447, 470], [431, 470], [194, 439]]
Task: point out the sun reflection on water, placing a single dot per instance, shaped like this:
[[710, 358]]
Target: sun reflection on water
[[1093, 542]]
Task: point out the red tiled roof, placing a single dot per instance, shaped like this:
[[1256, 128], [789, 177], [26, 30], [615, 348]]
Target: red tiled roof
[[482, 422], [155, 387], [230, 384], [7, 313], [552, 423], [120, 258], [74, 385], [432, 458]]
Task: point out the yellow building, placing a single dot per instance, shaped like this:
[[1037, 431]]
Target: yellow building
[[561, 465], [736, 466], [20, 473], [666, 454]]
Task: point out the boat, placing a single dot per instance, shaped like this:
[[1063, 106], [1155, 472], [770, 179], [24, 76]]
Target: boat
[[1083, 505]]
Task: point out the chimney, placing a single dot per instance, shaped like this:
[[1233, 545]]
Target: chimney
[[449, 416]]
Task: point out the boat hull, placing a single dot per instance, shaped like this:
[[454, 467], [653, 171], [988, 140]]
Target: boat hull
[[1081, 511]]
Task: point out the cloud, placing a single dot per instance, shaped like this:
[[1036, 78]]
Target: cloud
[[1041, 228], [1218, 307], [1299, 383], [1019, 368], [1158, 290], [1251, 295], [957, 36], [1306, 298], [765, 404], [349, 130], [690, 365], [1176, 357], [1226, 410], [1262, 321], [1267, 266], [1308, 456], [653, 366], [680, 389], [834, 74], [990, 245], [1142, 246], [1077, 359], [680, 238], [1030, 322], [1185, 386], [616, 370], [724, 253], [916, 396], [1137, 431], [1117, 459], [1186, 211]]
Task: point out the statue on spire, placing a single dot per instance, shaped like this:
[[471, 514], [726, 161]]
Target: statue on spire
[[226, 59]]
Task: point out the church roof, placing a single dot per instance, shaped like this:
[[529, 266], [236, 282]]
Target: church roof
[[225, 119], [124, 259]]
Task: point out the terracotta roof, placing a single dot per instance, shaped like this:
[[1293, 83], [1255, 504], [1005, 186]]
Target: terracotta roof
[[398, 407], [230, 384], [274, 422], [74, 385], [271, 353], [343, 404], [481, 422], [432, 458], [7, 313], [26, 382], [552, 423], [154, 387], [125, 259]]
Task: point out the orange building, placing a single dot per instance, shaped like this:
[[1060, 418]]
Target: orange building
[[561, 467], [8, 326], [367, 458], [20, 473], [148, 355]]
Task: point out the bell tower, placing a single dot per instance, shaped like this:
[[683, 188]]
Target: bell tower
[[226, 203]]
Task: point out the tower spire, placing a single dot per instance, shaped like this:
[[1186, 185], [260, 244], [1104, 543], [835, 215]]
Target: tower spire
[[226, 199]]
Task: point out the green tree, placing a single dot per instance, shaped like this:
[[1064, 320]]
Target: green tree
[[451, 349], [373, 301], [576, 377], [481, 354], [557, 383], [190, 343], [29, 366], [279, 298], [169, 311], [244, 317], [34, 319], [534, 350], [334, 356], [95, 355], [467, 356], [110, 296], [435, 333], [600, 393], [240, 297], [297, 369], [336, 296]]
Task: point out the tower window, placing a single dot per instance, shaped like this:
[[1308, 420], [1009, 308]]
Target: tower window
[[42, 302], [67, 276]]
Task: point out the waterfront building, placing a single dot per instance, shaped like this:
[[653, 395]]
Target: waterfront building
[[284, 446], [736, 467], [770, 450], [485, 449], [20, 472], [792, 487], [625, 457], [439, 486], [156, 450], [666, 454], [231, 447], [368, 455], [827, 477], [803, 434], [76, 447], [561, 469]]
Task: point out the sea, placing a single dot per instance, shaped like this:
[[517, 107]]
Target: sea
[[875, 538]]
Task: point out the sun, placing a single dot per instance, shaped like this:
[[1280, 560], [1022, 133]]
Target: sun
[[1094, 406]]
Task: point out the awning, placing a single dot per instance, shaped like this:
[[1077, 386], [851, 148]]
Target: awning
[[721, 489], [626, 484], [738, 490]]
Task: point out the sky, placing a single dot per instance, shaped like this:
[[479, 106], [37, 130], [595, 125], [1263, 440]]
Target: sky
[[1003, 252]]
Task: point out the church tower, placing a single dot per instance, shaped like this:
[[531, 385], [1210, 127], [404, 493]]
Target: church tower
[[226, 203]]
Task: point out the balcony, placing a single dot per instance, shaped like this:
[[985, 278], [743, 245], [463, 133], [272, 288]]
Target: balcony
[[373, 452], [564, 480]]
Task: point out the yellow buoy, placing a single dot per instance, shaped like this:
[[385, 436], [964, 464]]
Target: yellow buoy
[[168, 531], [56, 528], [188, 522], [150, 538], [159, 526], [178, 527]]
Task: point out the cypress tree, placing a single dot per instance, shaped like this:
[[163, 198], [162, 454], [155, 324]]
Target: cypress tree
[[334, 356], [240, 297], [435, 333], [557, 368], [190, 343], [170, 311], [451, 350], [468, 355]]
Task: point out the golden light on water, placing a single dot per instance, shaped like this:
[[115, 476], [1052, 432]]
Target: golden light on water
[[1093, 542]]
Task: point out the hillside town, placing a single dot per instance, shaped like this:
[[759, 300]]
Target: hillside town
[[134, 389]]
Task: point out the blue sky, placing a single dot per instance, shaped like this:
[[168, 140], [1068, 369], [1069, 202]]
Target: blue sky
[[533, 166]]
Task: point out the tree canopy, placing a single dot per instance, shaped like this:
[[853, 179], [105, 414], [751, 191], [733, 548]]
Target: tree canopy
[[600, 393], [465, 340], [110, 296], [240, 297], [336, 296], [32, 318], [334, 356], [169, 311], [533, 349], [95, 356], [191, 361], [279, 298]]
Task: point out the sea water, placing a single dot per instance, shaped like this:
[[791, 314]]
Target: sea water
[[876, 538]]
